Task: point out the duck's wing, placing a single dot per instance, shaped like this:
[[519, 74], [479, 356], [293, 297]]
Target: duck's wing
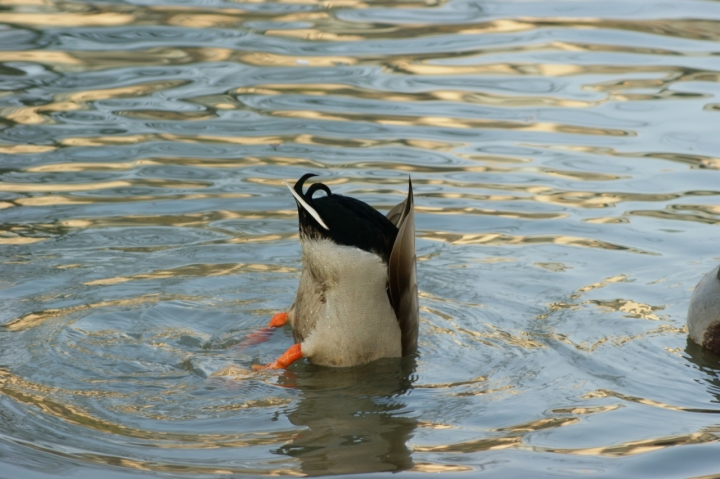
[[402, 273], [396, 212]]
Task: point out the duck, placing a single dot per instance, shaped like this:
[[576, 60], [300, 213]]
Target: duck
[[357, 298], [703, 317]]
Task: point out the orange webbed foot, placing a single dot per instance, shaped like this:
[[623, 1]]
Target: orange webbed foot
[[293, 353], [279, 320], [264, 333]]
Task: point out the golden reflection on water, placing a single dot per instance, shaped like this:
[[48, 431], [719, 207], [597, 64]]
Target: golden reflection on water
[[707, 215], [432, 468], [618, 341], [166, 115], [606, 220], [544, 194], [77, 101], [160, 466], [459, 96], [225, 18], [494, 333], [604, 393], [302, 139], [515, 440], [631, 448], [35, 319], [25, 3], [449, 122], [494, 239], [35, 187], [39, 396], [25, 233], [632, 309], [697, 161], [315, 35], [17, 240], [202, 17], [39, 20], [200, 270], [50, 200], [620, 278], [554, 267], [244, 162], [503, 214], [24, 149], [489, 444], [540, 424], [94, 61], [475, 381], [273, 59], [40, 56], [100, 185], [586, 410], [98, 166]]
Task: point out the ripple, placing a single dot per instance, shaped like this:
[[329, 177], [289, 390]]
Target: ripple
[[565, 167], [199, 270], [77, 187]]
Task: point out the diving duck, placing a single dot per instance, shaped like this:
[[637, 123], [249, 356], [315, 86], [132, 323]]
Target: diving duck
[[357, 300], [703, 317]]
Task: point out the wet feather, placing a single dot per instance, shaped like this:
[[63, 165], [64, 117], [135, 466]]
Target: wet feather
[[341, 290]]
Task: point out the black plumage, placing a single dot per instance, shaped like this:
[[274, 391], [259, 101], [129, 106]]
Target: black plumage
[[350, 222]]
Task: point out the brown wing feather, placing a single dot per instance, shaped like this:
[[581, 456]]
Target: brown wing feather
[[395, 214], [402, 274]]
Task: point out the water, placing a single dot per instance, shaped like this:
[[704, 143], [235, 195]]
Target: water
[[565, 160]]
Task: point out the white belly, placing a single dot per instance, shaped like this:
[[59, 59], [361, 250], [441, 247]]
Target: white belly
[[355, 322]]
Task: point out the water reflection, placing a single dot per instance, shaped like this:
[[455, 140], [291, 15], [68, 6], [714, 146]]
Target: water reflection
[[708, 363], [356, 418]]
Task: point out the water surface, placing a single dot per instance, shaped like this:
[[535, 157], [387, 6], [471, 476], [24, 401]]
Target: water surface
[[565, 159]]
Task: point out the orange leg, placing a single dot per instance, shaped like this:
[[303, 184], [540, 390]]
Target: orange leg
[[263, 334], [293, 353], [279, 320]]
